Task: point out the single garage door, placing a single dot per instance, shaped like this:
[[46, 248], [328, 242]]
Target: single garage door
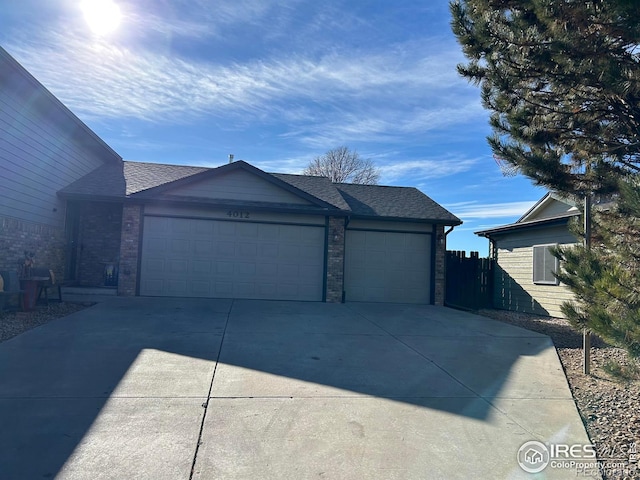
[[387, 267], [184, 257]]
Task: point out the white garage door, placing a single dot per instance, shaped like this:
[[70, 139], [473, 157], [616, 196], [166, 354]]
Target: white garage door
[[387, 267], [220, 259]]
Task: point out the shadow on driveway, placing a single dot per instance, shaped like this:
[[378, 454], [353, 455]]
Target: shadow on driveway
[[134, 376]]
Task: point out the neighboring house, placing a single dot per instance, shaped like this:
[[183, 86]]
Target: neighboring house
[[43, 148], [523, 274], [233, 231]]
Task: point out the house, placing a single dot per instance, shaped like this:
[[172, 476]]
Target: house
[[43, 148], [523, 275], [233, 231]]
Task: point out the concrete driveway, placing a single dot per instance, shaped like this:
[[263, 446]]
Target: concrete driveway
[[226, 389]]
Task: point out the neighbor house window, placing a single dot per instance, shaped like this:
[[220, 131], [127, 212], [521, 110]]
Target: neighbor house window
[[544, 265]]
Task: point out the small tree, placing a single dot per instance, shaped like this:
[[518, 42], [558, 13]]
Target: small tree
[[604, 278], [562, 82], [342, 165]]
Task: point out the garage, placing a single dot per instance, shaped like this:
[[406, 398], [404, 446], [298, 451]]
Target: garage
[[235, 231], [388, 266], [214, 258]]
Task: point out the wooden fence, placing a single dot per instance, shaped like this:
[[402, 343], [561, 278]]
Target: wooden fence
[[469, 280]]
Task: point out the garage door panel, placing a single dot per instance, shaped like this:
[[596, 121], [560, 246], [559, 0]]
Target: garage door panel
[[202, 267], [247, 230], [178, 266], [177, 226], [155, 265], [244, 270], [180, 246], [387, 267], [200, 288], [156, 225], [269, 250], [176, 285], [203, 248], [287, 251], [156, 245], [211, 258], [247, 250], [223, 289], [203, 228], [227, 229]]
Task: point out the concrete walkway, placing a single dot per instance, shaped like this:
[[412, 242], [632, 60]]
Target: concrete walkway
[[220, 389]]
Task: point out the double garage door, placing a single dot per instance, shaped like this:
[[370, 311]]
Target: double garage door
[[187, 257]]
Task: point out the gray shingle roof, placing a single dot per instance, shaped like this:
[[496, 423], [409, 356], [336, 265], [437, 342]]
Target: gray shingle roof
[[128, 178], [143, 176], [320, 187], [393, 202], [106, 181]]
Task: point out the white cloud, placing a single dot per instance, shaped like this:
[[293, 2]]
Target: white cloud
[[354, 95], [420, 170], [474, 210]]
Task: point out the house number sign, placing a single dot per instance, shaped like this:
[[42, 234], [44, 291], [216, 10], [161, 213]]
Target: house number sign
[[237, 214]]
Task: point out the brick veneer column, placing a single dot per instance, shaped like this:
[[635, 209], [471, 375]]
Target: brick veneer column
[[441, 248], [335, 260], [129, 250]]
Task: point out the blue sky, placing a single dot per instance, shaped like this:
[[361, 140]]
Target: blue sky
[[277, 83]]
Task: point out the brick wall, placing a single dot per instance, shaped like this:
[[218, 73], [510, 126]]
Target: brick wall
[[335, 260], [98, 241], [47, 242], [441, 249], [129, 249]]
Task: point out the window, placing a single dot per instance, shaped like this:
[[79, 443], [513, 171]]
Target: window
[[544, 265]]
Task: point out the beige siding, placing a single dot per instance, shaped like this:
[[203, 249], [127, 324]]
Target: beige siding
[[553, 208], [514, 288], [41, 151], [243, 215], [239, 185], [390, 226]]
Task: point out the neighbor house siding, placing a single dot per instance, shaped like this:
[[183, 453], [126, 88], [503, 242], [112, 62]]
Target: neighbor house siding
[[553, 209], [514, 288], [43, 148], [38, 156]]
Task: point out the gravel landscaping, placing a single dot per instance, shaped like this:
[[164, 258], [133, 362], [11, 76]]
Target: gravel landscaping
[[608, 400], [14, 323]]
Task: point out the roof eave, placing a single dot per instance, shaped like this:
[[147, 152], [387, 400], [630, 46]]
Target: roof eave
[[230, 203], [439, 221], [489, 232]]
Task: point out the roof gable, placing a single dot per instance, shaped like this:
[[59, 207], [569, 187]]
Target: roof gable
[[549, 206], [238, 185], [235, 181]]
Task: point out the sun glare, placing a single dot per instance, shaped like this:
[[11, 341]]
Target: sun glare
[[103, 16]]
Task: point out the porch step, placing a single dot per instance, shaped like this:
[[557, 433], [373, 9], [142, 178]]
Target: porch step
[[88, 295], [111, 291]]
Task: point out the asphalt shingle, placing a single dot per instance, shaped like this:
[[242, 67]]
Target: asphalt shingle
[[393, 202], [128, 178]]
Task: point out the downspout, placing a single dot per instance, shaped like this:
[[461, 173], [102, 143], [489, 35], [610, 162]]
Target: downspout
[[447, 232]]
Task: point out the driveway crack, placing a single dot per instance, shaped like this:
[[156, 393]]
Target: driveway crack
[[205, 404]]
